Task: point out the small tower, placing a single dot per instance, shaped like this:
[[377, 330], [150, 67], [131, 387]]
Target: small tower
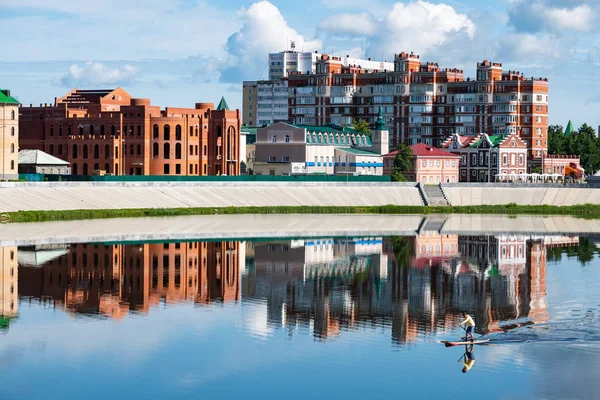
[[380, 136]]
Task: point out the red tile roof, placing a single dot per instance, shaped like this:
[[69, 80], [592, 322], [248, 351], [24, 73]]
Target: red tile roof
[[425, 150]]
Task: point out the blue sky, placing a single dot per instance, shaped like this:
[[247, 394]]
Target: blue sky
[[178, 52]]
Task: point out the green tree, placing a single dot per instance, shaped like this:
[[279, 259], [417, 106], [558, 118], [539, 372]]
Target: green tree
[[556, 140], [403, 251], [361, 126], [403, 163]]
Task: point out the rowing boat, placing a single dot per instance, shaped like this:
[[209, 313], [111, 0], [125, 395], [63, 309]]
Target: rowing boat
[[449, 343]]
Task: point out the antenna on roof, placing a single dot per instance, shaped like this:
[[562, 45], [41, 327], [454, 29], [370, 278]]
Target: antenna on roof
[[293, 45]]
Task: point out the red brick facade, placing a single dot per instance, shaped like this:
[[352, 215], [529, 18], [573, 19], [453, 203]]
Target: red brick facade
[[109, 130]]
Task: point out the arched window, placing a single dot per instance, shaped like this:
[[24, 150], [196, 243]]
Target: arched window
[[81, 131], [191, 131], [69, 130], [12, 148], [91, 129], [167, 151], [113, 130], [12, 114], [75, 155], [96, 152], [12, 131], [85, 154], [155, 149], [74, 169], [85, 169], [178, 132], [60, 130], [167, 131], [155, 131], [102, 130], [178, 151], [107, 151], [51, 130], [107, 167], [12, 164]]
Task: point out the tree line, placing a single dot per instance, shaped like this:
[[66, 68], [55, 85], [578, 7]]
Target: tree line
[[583, 142]]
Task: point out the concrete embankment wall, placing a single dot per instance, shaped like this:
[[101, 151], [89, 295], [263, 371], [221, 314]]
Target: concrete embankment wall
[[16, 196], [469, 194]]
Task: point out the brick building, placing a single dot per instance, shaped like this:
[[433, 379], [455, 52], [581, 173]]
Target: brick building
[[422, 102], [9, 136], [111, 131]]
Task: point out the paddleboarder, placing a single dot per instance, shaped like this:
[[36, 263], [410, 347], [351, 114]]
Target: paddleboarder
[[469, 322], [468, 359]]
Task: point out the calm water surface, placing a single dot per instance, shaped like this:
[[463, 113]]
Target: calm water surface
[[308, 318]]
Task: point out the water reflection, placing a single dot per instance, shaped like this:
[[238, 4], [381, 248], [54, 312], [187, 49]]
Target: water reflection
[[415, 285], [111, 280]]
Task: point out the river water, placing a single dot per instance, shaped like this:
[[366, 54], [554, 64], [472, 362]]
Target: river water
[[347, 318]]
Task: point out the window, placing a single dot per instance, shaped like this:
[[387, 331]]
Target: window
[[166, 169], [85, 152], [12, 148], [60, 149], [504, 160], [96, 151], [155, 149], [139, 149], [178, 151], [273, 139], [447, 163], [287, 138], [167, 132], [51, 130], [437, 163], [154, 131], [178, 169], [167, 151], [424, 179], [178, 132], [431, 163], [454, 163], [424, 163], [285, 158], [12, 114], [12, 164], [107, 151], [139, 130], [91, 129], [75, 155]]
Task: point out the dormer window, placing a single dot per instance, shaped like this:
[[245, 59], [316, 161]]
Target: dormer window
[[273, 139]]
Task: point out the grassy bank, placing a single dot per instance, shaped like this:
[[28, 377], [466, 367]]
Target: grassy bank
[[585, 211]]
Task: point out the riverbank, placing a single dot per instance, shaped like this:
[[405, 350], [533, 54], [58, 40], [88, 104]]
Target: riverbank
[[583, 211]]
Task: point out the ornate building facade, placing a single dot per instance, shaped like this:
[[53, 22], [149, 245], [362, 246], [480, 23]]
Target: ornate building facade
[[108, 130]]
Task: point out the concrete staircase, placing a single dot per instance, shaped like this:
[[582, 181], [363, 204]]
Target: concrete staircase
[[434, 195]]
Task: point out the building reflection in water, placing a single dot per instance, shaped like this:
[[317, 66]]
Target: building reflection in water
[[416, 285], [113, 279]]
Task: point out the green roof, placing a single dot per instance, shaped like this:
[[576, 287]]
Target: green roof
[[380, 124], [5, 97], [326, 128], [569, 129], [357, 151], [496, 140], [223, 104]]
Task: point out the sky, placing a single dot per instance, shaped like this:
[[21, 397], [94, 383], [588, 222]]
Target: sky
[[179, 52]]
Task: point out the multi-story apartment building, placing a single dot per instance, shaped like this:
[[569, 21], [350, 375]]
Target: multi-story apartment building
[[111, 131], [286, 63], [422, 102], [9, 136], [265, 102]]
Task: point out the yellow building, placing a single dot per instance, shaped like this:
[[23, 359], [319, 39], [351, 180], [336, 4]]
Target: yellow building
[[9, 305], [9, 136]]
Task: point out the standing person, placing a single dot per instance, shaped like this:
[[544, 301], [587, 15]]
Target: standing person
[[470, 324], [468, 359]]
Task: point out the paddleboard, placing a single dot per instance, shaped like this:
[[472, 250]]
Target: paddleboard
[[449, 343]]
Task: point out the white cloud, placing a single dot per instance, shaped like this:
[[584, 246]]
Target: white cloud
[[94, 74], [580, 18], [357, 24], [530, 48], [415, 26], [264, 30], [551, 16]]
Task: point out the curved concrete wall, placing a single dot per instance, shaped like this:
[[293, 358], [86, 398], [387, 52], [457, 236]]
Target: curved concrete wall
[[15, 196], [555, 195]]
